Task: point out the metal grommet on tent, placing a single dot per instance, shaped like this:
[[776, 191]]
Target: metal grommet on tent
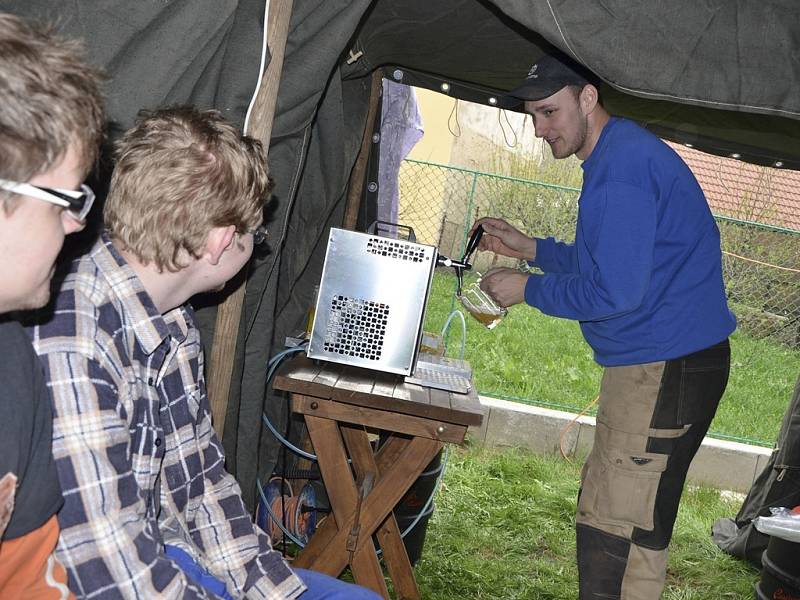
[[372, 186], [445, 87], [398, 75], [492, 100], [376, 137]]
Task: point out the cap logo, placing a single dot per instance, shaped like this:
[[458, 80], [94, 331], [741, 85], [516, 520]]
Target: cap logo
[[532, 73]]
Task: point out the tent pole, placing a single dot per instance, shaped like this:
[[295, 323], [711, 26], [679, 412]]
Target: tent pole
[[229, 312], [356, 184]]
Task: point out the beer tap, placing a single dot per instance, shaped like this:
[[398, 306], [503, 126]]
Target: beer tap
[[464, 264]]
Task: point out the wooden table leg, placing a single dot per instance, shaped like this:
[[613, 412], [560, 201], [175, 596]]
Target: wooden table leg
[[393, 484], [396, 559], [387, 455], [343, 496], [332, 461], [395, 556]]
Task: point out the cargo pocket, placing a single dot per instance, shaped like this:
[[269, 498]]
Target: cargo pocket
[[620, 485]]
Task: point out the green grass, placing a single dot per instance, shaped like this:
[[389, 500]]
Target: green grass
[[503, 528], [536, 359]]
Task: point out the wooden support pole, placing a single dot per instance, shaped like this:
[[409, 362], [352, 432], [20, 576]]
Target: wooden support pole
[[229, 312], [356, 185]]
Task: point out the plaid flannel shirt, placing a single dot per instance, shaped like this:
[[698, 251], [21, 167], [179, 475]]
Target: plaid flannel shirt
[[138, 460]]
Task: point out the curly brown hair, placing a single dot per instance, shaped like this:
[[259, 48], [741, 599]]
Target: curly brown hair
[[180, 172]]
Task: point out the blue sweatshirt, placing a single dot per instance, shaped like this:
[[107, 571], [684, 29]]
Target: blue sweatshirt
[[644, 275]]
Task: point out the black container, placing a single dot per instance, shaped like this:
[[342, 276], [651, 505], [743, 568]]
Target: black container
[[412, 503], [780, 576], [415, 539]]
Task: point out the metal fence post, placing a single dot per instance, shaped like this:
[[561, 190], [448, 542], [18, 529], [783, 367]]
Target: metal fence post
[[467, 217]]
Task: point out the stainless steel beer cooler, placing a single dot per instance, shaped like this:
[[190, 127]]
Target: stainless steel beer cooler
[[371, 302]]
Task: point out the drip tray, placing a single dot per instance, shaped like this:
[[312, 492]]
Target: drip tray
[[442, 373]]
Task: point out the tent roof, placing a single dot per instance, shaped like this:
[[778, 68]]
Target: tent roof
[[720, 75], [711, 74]]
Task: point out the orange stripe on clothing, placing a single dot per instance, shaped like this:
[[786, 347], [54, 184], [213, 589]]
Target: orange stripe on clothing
[[28, 568]]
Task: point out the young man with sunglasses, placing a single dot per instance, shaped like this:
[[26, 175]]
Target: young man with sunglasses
[[51, 119], [150, 511]]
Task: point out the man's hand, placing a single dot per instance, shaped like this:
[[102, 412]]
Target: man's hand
[[505, 239], [506, 286]]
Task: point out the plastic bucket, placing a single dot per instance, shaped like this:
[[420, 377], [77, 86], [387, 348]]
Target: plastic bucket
[[780, 575]]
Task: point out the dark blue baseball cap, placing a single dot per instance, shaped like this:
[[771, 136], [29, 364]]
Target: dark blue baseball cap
[[550, 74]]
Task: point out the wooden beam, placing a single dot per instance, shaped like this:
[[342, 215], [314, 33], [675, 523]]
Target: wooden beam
[[356, 185], [260, 126], [229, 312]]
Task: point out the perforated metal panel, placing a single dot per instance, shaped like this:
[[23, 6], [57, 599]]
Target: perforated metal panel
[[395, 249], [356, 327], [371, 302], [442, 373]]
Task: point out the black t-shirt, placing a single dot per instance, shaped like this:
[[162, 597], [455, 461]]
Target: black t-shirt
[[26, 431]]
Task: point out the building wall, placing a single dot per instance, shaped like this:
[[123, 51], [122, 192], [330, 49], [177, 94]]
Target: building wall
[[471, 136], [436, 145]]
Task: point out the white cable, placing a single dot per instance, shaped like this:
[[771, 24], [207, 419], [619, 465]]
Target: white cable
[[463, 330], [260, 69]]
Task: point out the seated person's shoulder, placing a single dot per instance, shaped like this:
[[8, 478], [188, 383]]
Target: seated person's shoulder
[[19, 360], [12, 334], [82, 316]]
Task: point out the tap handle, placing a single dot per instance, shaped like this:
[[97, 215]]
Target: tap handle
[[472, 244]]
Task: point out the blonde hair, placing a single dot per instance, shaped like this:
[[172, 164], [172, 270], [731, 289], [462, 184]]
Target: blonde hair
[[179, 173], [50, 100]]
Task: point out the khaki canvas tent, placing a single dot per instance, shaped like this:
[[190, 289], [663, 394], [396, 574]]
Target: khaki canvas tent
[[723, 76]]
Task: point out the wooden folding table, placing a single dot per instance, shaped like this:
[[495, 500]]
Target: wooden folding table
[[339, 404]]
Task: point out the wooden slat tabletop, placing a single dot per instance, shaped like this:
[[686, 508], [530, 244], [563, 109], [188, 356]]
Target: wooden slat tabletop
[[385, 391]]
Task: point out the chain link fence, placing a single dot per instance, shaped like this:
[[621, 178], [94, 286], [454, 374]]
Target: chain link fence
[[760, 263]]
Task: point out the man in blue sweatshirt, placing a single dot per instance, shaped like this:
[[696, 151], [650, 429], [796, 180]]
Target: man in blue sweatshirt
[[644, 279]]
